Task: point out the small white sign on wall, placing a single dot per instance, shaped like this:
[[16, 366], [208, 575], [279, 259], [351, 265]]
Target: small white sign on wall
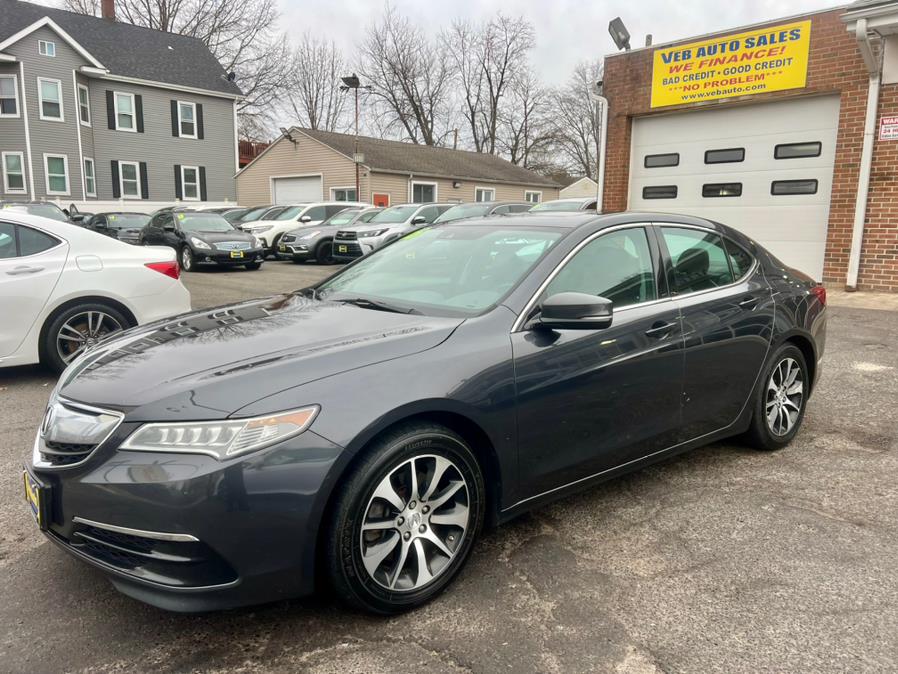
[[888, 128]]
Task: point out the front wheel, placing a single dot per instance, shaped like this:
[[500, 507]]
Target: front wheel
[[780, 399], [252, 266], [185, 258], [405, 520], [324, 254]]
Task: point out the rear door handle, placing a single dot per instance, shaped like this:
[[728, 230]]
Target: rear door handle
[[659, 329], [748, 302], [18, 271]]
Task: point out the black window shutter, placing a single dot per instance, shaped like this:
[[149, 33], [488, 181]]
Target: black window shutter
[[110, 109], [138, 110], [144, 181], [179, 192], [174, 119], [116, 187], [202, 183], [199, 121]]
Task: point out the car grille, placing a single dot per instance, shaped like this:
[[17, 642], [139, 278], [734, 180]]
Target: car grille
[[64, 453], [352, 250], [233, 245], [346, 236]]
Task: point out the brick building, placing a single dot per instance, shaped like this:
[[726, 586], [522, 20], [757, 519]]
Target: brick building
[[763, 128]]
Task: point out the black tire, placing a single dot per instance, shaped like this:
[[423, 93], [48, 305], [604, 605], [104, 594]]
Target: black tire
[[273, 251], [324, 253], [424, 442], [252, 266], [185, 259], [762, 433], [50, 352]]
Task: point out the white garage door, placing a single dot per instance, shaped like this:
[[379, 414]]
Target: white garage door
[[764, 169], [296, 190]]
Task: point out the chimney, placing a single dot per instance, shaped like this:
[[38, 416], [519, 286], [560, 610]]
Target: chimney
[[107, 10]]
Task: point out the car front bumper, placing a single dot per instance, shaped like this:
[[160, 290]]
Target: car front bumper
[[186, 532], [350, 250], [224, 257], [296, 250]]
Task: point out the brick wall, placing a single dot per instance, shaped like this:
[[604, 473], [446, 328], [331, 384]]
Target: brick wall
[[835, 66]]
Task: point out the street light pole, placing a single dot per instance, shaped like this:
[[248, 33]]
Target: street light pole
[[353, 82]]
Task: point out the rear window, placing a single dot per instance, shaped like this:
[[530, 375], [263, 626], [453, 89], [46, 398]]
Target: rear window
[[740, 259], [32, 242]]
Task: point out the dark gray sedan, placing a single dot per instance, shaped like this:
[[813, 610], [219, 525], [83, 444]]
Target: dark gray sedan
[[124, 226], [365, 429], [316, 242]]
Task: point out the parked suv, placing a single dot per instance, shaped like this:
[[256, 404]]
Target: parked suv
[[566, 205], [389, 224], [315, 242], [481, 209], [293, 216]]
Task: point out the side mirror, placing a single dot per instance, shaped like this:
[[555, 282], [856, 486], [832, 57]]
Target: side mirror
[[419, 220], [574, 311], [306, 218]]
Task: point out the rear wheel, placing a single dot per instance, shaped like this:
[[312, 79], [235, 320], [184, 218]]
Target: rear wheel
[[404, 523], [780, 399], [324, 254], [185, 258], [77, 329]]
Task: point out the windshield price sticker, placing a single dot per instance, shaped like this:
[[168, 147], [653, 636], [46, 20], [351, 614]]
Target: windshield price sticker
[[759, 61]]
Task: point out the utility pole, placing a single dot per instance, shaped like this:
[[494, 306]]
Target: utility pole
[[353, 82]]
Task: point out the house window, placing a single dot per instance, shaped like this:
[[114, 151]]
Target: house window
[[83, 105], [14, 172], [46, 48], [343, 194], [782, 187], [660, 160], [484, 194], [124, 112], [659, 192], [730, 155], [187, 119], [712, 190], [424, 193], [49, 94], [190, 183], [90, 179], [797, 150], [56, 171], [129, 179], [9, 96], [533, 197]]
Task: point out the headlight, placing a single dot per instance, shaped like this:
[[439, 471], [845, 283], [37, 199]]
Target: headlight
[[310, 235], [257, 242], [263, 228], [373, 233], [199, 243], [221, 439]]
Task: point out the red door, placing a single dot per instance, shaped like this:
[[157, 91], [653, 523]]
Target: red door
[[382, 200]]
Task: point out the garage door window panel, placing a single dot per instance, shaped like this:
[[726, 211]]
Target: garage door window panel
[[797, 150], [659, 192], [661, 160], [616, 266], [714, 190], [792, 187], [700, 261], [725, 156]]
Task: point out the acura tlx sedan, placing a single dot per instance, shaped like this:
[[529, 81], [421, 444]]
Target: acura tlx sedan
[[365, 429]]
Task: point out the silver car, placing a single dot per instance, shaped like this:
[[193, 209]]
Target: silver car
[[389, 224], [315, 242]]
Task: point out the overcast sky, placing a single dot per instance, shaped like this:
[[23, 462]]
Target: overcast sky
[[567, 31]]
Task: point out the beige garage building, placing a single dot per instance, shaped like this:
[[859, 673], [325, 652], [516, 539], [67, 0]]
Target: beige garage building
[[310, 165]]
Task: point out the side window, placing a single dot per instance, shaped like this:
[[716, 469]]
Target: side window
[[501, 210], [519, 208], [32, 242], [429, 214], [699, 259], [333, 210], [156, 222], [740, 260], [616, 266], [317, 212], [7, 241]]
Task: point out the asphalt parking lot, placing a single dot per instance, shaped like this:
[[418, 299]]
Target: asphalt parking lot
[[725, 559]]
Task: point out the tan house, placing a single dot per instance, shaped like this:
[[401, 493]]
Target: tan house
[[309, 165], [584, 187]]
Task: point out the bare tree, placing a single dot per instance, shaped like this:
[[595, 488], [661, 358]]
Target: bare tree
[[526, 134], [315, 97], [409, 79], [487, 61], [241, 34], [577, 125]]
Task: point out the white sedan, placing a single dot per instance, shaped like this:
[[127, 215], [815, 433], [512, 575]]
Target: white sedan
[[63, 288]]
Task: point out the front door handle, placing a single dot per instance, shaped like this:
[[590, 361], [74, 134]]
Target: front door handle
[[659, 329], [748, 302], [18, 271]]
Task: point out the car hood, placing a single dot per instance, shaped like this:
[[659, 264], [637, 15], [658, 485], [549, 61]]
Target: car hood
[[218, 237], [208, 364]]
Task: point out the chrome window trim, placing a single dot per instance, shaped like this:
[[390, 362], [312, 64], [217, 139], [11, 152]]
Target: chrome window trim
[[36, 459], [155, 535]]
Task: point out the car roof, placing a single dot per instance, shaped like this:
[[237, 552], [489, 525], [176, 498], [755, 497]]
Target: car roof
[[572, 221], [122, 213]]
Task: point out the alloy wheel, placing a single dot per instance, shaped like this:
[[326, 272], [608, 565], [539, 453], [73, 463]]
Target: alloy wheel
[[415, 522], [785, 396], [186, 258], [82, 331]]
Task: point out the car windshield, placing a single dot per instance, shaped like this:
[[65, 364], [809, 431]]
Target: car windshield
[[234, 216], [289, 213], [253, 214], [342, 218], [126, 220], [203, 222], [394, 215], [557, 206], [455, 270], [43, 210], [464, 211]]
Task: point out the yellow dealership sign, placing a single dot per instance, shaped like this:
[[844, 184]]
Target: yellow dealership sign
[[756, 62]]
